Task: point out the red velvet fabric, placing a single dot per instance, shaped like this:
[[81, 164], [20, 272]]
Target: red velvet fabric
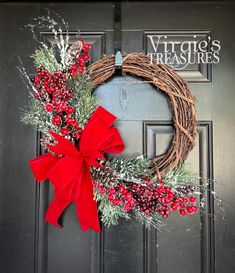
[[70, 173]]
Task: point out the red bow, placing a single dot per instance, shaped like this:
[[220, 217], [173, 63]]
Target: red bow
[[70, 174]]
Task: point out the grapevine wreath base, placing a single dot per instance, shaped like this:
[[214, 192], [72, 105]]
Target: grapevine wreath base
[[174, 87], [81, 139]]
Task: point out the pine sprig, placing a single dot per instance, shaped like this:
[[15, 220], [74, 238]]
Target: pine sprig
[[153, 220], [36, 115], [45, 57], [180, 176], [83, 101], [129, 168]]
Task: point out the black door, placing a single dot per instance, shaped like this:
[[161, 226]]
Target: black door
[[197, 244]]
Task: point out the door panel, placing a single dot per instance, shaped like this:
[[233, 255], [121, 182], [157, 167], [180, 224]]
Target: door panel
[[190, 244]]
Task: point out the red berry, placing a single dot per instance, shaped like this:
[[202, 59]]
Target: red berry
[[170, 195], [147, 211], [167, 189], [86, 57], [194, 208], [74, 70], [115, 202], [156, 194], [121, 188], [124, 191], [48, 90], [63, 107], [54, 95], [102, 190], [128, 195], [74, 67], [192, 199], [178, 199], [127, 208], [110, 197], [64, 131], [58, 110], [80, 59], [56, 120], [182, 212], [86, 47], [36, 95], [46, 84], [57, 102], [189, 209], [69, 120], [75, 124], [37, 79], [173, 207], [49, 107], [120, 201], [81, 63], [132, 202], [81, 69], [185, 200], [112, 191], [167, 200], [70, 110], [146, 180], [160, 189]]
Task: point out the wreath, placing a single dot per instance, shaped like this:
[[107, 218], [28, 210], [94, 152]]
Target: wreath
[[80, 139]]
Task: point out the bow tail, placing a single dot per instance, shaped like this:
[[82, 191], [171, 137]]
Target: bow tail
[[86, 205], [55, 209]]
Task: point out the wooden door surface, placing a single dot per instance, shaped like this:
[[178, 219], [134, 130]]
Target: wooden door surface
[[197, 244]]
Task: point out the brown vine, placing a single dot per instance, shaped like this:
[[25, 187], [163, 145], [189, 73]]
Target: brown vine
[[176, 90]]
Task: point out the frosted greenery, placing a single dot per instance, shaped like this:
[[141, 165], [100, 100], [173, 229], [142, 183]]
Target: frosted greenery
[[45, 57], [129, 168], [154, 220], [83, 101], [110, 214], [181, 176], [36, 115]]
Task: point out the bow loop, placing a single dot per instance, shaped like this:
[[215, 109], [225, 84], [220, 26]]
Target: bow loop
[[98, 136], [105, 116]]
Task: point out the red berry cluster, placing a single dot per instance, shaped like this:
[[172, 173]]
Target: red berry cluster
[[52, 91], [161, 199], [118, 196], [185, 205], [50, 85], [80, 60], [150, 198]]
